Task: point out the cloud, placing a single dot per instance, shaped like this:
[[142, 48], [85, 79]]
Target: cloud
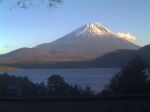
[[126, 36]]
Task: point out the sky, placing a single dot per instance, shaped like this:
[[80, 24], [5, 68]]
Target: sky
[[30, 27]]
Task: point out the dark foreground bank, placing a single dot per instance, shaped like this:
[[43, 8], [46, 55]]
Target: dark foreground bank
[[77, 104]]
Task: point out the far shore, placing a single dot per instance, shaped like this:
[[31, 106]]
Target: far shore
[[9, 68]]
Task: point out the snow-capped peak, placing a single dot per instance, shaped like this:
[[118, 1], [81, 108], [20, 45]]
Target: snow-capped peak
[[95, 29]]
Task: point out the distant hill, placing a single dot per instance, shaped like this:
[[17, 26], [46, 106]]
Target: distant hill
[[145, 53], [118, 58]]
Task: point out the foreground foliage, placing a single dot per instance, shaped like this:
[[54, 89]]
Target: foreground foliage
[[132, 79], [56, 86]]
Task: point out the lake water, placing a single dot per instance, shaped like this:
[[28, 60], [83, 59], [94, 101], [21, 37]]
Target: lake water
[[96, 78]]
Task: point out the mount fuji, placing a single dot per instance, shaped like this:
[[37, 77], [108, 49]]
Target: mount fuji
[[89, 40], [85, 43]]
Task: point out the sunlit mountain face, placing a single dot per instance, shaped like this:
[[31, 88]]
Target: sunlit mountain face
[[85, 43], [88, 40]]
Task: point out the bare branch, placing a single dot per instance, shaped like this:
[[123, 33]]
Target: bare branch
[[24, 4]]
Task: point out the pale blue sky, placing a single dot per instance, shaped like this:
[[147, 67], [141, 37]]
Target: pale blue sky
[[28, 28]]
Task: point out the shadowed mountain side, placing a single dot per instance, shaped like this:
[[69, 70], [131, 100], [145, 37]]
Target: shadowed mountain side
[[145, 53], [118, 58]]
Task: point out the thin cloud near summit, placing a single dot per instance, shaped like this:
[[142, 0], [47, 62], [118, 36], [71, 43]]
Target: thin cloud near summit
[[126, 36]]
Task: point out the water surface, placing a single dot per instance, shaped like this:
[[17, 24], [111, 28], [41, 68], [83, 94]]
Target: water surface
[[96, 78]]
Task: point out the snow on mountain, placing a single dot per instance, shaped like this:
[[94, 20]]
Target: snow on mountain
[[94, 30], [97, 30]]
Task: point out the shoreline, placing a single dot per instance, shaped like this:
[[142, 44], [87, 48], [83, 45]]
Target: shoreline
[[9, 68]]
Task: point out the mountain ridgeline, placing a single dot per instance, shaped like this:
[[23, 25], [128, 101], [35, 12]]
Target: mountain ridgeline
[[89, 43]]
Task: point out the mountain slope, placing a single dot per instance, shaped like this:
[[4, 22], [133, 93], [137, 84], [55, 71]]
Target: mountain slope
[[118, 58], [23, 55], [91, 39], [86, 43]]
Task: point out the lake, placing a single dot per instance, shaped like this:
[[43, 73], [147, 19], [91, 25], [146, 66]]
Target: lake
[[96, 78]]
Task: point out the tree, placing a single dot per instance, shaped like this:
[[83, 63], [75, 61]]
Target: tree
[[131, 80], [16, 86], [88, 92], [57, 86]]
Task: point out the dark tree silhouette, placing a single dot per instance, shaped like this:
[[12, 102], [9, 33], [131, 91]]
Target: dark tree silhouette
[[88, 92], [57, 85], [16, 86], [131, 80]]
